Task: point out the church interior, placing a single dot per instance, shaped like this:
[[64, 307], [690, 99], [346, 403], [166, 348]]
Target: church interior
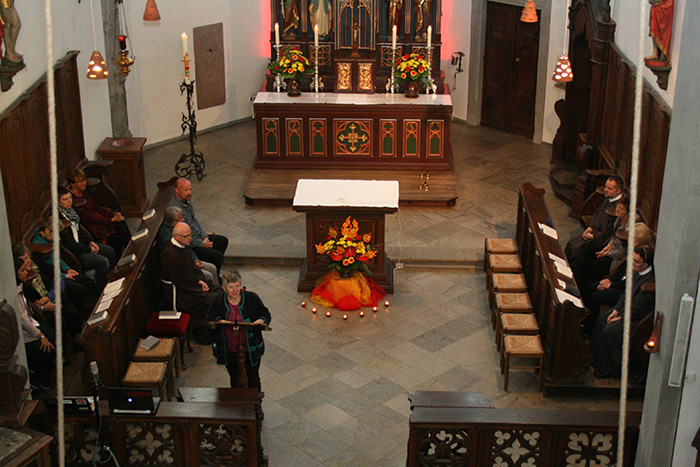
[[451, 108]]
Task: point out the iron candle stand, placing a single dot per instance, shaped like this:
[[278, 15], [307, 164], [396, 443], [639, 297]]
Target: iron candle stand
[[192, 163]]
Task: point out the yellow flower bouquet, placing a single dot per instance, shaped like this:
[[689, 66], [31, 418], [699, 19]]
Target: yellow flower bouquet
[[291, 64], [412, 68], [349, 252]]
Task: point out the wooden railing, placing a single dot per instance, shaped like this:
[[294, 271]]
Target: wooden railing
[[474, 437]]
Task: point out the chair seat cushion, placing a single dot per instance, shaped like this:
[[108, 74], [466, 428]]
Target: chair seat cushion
[[167, 327]]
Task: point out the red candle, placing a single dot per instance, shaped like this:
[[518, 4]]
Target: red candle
[[122, 42]]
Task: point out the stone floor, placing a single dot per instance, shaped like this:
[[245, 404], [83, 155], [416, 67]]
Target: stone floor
[[336, 391]]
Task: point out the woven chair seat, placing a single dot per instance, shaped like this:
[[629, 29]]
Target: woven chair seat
[[505, 263], [517, 302], [508, 282], [520, 323], [501, 245], [523, 346]]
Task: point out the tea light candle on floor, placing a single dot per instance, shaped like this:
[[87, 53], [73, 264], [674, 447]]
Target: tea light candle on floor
[[386, 303], [303, 304], [362, 313], [374, 309], [328, 313], [345, 316], [313, 310]]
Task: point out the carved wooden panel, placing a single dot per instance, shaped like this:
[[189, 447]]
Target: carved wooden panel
[[295, 137], [387, 138], [411, 138], [209, 65], [353, 137], [435, 138], [318, 136], [271, 137]]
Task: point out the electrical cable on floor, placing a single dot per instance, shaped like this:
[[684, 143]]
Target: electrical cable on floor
[[636, 139], [51, 91]]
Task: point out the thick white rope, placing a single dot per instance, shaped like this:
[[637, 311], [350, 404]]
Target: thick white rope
[[50, 90], [636, 137]]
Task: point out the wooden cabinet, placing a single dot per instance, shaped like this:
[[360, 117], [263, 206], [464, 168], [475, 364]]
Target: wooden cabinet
[[126, 175]]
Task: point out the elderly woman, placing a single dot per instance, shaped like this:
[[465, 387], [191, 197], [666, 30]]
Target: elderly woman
[[239, 305], [105, 225], [98, 257]]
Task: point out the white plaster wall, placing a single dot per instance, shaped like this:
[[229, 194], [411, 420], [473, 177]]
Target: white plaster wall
[[626, 15], [456, 20], [557, 46]]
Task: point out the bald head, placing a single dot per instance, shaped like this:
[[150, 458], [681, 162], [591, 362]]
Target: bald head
[[183, 189], [182, 233]]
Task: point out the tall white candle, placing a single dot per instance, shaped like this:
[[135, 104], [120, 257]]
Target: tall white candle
[[184, 44], [316, 37], [277, 33], [430, 36], [393, 36]]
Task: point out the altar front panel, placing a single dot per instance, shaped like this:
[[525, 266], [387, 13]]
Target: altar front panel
[[381, 131]]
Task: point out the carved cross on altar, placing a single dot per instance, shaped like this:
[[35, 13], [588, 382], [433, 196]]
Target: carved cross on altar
[[355, 28]]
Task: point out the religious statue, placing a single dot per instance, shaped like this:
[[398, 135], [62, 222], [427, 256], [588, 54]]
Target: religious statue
[[291, 19], [321, 14], [11, 26], [394, 17], [422, 13], [660, 28]]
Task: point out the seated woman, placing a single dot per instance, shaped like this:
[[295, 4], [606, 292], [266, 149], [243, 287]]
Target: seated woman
[[606, 342], [105, 225], [43, 295], [77, 285], [241, 306], [100, 258], [39, 336]]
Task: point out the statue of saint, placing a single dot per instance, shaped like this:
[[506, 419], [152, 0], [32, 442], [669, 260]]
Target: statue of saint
[[321, 14], [11, 26], [394, 17], [422, 15], [291, 19], [660, 28]]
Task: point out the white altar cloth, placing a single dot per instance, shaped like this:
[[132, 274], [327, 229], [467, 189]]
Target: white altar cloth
[[347, 193]]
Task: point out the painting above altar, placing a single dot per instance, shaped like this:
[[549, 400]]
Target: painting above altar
[[356, 39]]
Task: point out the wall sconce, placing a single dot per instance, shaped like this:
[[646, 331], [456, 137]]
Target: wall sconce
[[151, 13], [652, 345], [529, 13]]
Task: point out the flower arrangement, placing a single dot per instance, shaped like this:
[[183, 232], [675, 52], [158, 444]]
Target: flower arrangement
[[412, 68], [351, 251], [291, 64]]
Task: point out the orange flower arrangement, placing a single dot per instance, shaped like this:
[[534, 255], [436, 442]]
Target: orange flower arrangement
[[351, 251], [412, 67]]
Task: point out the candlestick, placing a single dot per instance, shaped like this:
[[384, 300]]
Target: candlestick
[[430, 35], [393, 37], [277, 33]]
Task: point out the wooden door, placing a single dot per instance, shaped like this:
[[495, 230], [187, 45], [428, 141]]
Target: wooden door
[[510, 70]]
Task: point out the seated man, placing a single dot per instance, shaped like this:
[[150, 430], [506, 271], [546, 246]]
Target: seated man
[[194, 295], [171, 217], [601, 227], [209, 248], [606, 342]]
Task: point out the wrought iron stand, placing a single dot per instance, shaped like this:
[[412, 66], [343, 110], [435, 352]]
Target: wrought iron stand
[[192, 163]]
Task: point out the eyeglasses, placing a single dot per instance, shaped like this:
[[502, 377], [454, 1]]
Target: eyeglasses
[[184, 236]]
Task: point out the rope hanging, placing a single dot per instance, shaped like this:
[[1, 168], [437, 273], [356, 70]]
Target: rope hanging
[[56, 246], [636, 137]]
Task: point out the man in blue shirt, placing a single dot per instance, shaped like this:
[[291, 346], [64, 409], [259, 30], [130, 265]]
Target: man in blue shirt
[[207, 247]]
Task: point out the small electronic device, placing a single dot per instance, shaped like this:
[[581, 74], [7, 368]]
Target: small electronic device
[[74, 405], [132, 401]]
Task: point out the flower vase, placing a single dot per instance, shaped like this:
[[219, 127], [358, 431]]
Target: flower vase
[[293, 89], [411, 89], [345, 274]]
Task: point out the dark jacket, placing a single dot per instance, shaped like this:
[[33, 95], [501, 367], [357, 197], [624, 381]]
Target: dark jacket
[[252, 309]]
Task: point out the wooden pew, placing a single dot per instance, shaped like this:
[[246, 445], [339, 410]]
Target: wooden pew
[[111, 342], [566, 354]]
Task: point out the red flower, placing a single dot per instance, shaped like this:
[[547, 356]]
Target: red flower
[[335, 256], [349, 252], [406, 57], [362, 258], [357, 237], [420, 68], [277, 67]]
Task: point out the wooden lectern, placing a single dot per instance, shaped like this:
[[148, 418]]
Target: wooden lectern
[[241, 351], [327, 203]]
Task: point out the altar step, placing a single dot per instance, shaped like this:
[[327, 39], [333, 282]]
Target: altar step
[[268, 187]]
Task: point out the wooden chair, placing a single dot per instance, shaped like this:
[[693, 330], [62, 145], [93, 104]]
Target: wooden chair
[[515, 324], [506, 283], [522, 347], [167, 352], [499, 246], [149, 375], [515, 302], [502, 263]]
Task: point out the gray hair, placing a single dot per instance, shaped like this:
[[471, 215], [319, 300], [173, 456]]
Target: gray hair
[[231, 276], [170, 215]]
